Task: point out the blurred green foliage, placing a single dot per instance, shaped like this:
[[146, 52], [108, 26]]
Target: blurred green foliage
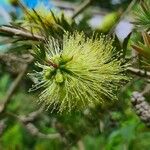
[[116, 129]]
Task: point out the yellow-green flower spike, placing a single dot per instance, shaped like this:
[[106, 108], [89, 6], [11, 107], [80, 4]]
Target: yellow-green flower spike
[[80, 73]]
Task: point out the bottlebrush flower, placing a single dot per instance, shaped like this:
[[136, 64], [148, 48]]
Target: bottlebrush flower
[[78, 73]]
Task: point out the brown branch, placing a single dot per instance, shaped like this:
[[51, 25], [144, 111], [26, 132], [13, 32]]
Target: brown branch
[[73, 6], [2, 126], [10, 58], [13, 62], [14, 86], [30, 117], [81, 145], [27, 122], [139, 72], [64, 5], [146, 89], [83, 6], [12, 89], [21, 33], [33, 130]]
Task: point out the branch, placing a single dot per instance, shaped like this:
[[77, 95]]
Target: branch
[[86, 4], [30, 117], [80, 145], [10, 58], [21, 33], [139, 72], [27, 122], [64, 5], [133, 2], [73, 6], [33, 130], [12, 89], [2, 126], [14, 86], [146, 89]]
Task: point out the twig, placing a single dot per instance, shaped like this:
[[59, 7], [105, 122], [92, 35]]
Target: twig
[[146, 89], [133, 2], [2, 126], [86, 4], [12, 89], [33, 130], [139, 72], [14, 63], [10, 58], [27, 122], [30, 117], [64, 5], [14, 85], [80, 145], [21, 33], [95, 10]]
